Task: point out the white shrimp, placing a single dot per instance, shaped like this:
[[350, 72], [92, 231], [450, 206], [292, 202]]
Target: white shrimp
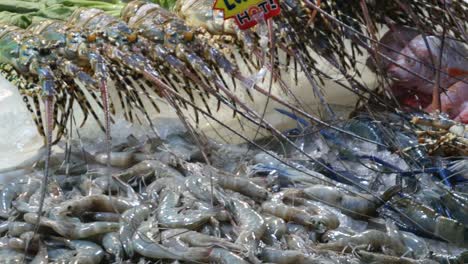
[[112, 245], [73, 230], [145, 246], [195, 239], [131, 220], [168, 215]]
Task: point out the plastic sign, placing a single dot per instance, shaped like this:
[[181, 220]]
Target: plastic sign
[[244, 11]]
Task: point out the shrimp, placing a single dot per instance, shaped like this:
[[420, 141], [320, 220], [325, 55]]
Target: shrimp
[[457, 203], [112, 244], [431, 222], [147, 168], [302, 216], [370, 239], [117, 159], [251, 225], [146, 247], [195, 239], [369, 257], [201, 188], [86, 252], [290, 213], [130, 220], [337, 234], [359, 207], [12, 243], [11, 256], [22, 186], [176, 184], [288, 175], [101, 216], [93, 203], [283, 256], [296, 242], [296, 197], [223, 256], [241, 185], [18, 228], [73, 230], [168, 216], [275, 229], [60, 255]]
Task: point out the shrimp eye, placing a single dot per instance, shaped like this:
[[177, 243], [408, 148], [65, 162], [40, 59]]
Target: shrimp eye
[[132, 37], [92, 38], [188, 36]]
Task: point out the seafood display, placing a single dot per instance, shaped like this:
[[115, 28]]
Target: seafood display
[[163, 206], [387, 183]]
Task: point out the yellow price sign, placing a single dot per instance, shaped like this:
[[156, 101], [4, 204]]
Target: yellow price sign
[[244, 11], [234, 7]]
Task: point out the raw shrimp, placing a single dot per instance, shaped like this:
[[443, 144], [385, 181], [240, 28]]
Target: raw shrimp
[[169, 216], [86, 252], [369, 257], [369, 239], [11, 256], [288, 175], [429, 221], [145, 246], [60, 255], [241, 185], [176, 184], [18, 228], [296, 242], [251, 225], [117, 159], [223, 256], [275, 229], [24, 187], [148, 168], [130, 221], [112, 245], [283, 256], [296, 197], [73, 230], [195, 239], [93, 203], [101, 216], [290, 213], [360, 207], [337, 234], [302, 216]]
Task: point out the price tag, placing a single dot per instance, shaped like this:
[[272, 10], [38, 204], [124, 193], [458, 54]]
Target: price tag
[[244, 11]]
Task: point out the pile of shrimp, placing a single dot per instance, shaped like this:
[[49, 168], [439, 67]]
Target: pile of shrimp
[[358, 191], [168, 202]]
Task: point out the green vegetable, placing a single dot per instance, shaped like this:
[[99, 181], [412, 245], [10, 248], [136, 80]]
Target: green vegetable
[[22, 12]]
